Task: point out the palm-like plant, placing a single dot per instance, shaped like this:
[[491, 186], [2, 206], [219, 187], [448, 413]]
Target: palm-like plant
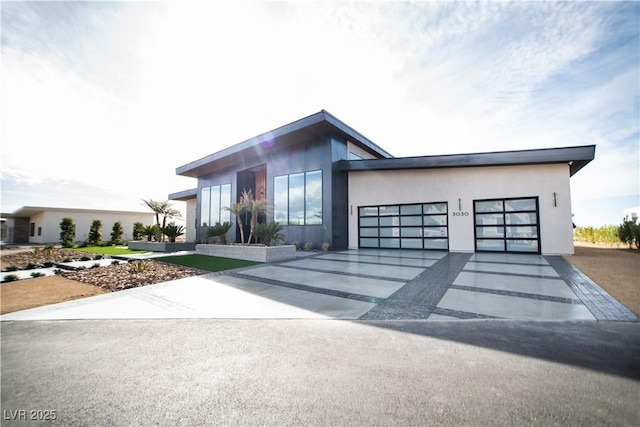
[[172, 231], [150, 231], [269, 232], [220, 230], [237, 209], [255, 208], [163, 209]]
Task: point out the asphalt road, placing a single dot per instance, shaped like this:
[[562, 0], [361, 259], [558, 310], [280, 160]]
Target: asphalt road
[[320, 372]]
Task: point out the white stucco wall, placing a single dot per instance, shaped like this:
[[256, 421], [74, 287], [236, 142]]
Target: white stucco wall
[[469, 184], [353, 148], [50, 223], [190, 220]]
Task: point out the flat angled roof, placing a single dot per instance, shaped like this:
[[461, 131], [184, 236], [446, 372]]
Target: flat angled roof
[[576, 157], [28, 211], [315, 124], [184, 195]]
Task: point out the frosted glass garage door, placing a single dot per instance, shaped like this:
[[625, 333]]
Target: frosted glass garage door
[[411, 226], [507, 225]]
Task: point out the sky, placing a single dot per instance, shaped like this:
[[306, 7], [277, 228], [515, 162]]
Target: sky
[[102, 101]]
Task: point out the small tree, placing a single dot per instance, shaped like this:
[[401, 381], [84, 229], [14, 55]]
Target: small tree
[[95, 233], [67, 232], [116, 233], [138, 231], [629, 233], [162, 209], [238, 209]]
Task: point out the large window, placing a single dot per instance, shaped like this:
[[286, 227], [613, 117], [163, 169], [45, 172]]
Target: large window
[[297, 198], [213, 203], [507, 225]]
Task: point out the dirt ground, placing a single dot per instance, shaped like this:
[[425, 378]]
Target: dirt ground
[[30, 293], [616, 270]]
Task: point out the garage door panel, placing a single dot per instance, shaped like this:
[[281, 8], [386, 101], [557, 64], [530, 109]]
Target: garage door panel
[[515, 228]]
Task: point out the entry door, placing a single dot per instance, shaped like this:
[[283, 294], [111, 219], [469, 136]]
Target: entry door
[[507, 225]]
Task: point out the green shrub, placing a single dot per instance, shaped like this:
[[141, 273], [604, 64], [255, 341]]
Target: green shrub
[[607, 235], [138, 266], [10, 278], [150, 231], [308, 246], [67, 233], [326, 246], [138, 231], [30, 266], [37, 274], [629, 233], [95, 233], [85, 258], [48, 264], [116, 233], [12, 268]]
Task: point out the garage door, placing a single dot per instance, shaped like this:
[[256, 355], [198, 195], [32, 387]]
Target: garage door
[[411, 226], [507, 225]]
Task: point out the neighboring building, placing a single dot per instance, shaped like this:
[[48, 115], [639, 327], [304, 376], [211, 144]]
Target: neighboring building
[[325, 182], [631, 214], [38, 225]]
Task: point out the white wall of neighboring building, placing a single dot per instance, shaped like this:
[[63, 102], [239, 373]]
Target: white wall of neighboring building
[[463, 186], [631, 214], [49, 223]]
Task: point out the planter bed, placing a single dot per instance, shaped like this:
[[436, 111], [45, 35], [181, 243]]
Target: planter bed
[[161, 246], [249, 253]]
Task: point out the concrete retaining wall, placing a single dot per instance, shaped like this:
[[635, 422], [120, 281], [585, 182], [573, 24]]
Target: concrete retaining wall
[[161, 246], [249, 253]]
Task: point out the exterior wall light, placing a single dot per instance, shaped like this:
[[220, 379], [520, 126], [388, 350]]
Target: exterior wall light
[[555, 199]]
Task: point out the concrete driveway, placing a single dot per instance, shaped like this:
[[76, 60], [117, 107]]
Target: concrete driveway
[[366, 285]]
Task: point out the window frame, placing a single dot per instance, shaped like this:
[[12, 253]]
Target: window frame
[[304, 218]]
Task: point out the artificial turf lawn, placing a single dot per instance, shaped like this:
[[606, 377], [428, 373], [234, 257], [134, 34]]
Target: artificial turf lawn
[[109, 250], [206, 262]]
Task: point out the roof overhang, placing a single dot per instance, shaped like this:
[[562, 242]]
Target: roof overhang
[[317, 124], [575, 157], [184, 195]]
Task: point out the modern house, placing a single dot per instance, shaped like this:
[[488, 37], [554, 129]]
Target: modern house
[[38, 225], [326, 182]]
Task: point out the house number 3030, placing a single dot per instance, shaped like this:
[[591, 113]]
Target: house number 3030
[[460, 213]]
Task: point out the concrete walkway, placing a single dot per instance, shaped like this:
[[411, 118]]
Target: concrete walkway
[[364, 284]]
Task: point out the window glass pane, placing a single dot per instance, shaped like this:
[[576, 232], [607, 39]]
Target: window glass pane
[[225, 202], [435, 232], [205, 206], [368, 222], [388, 210], [281, 199], [390, 232], [354, 156], [389, 243], [215, 205], [528, 232], [369, 243], [369, 232], [412, 232], [490, 245], [521, 218], [389, 220], [489, 206], [296, 199], [412, 243], [435, 208], [369, 211], [436, 244], [411, 220], [490, 219], [522, 245], [411, 210], [489, 231], [435, 220], [520, 205], [313, 194]]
